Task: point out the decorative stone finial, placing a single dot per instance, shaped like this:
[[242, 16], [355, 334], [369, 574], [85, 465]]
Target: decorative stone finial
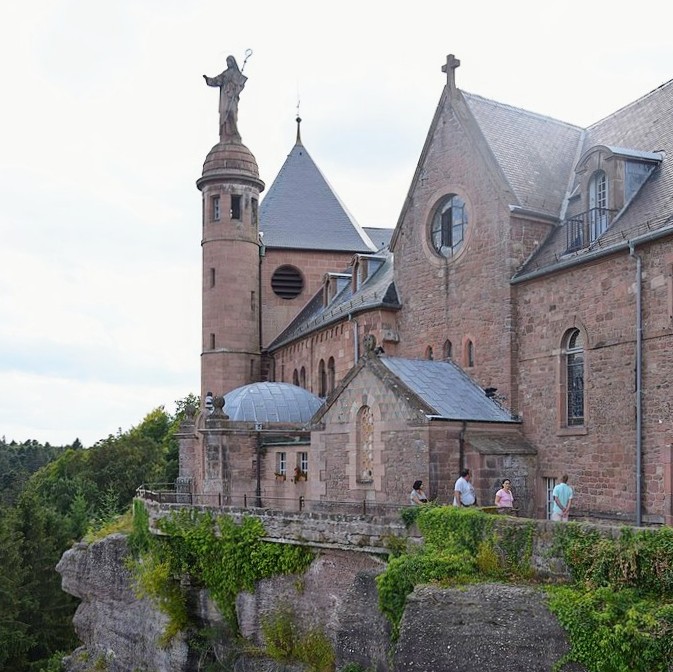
[[218, 411]]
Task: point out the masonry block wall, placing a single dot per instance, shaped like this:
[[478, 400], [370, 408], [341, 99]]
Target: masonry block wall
[[277, 312], [397, 448], [466, 297], [337, 341], [600, 456]]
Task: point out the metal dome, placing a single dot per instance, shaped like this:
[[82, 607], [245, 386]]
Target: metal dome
[[271, 402]]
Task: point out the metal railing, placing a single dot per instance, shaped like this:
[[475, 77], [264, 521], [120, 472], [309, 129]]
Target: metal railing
[[166, 493], [584, 228]]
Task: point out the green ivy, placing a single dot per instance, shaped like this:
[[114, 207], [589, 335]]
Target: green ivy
[[614, 631], [285, 643], [619, 611], [225, 557]]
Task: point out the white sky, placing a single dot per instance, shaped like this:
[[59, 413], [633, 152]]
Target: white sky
[[106, 121]]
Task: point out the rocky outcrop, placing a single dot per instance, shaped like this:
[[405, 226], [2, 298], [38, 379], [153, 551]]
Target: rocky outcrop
[[479, 627], [119, 631]]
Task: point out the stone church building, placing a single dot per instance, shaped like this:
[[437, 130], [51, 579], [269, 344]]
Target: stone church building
[[517, 321]]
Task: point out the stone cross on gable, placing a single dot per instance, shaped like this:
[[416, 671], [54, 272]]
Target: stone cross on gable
[[450, 69]]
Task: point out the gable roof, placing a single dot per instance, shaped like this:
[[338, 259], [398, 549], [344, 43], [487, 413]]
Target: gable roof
[[438, 390], [536, 153], [377, 291], [302, 211], [447, 390]]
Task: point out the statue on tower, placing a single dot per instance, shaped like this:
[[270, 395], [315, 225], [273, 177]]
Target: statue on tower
[[231, 83]]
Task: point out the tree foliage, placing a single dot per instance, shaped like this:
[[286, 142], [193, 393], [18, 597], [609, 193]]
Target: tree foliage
[[50, 497]]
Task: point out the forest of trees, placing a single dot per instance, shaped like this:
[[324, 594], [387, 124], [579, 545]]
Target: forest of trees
[[49, 498]]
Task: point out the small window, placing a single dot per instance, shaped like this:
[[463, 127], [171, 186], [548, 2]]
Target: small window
[[302, 377], [447, 350], [212, 341], [281, 464], [449, 224], [428, 352], [302, 462], [235, 206], [331, 380], [295, 377], [574, 373], [253, 205], [469, 354], [322, 379], [215, 208], [212, 278]]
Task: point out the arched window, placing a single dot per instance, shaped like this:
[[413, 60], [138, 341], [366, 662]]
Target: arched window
[[295, 377], [447, 350], [365, 445], [598, 204], [331, 375], [302, 377], [573, 369], [449, 223], [428, 352], [469, 354], [322, 379]]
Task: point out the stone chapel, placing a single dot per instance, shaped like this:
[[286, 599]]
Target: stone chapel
[[518, 320]]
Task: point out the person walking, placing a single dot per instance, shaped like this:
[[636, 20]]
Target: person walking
[[562, 496], [463, 490]]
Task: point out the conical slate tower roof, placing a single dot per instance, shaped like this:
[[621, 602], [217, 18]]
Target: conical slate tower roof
[[301, 210]]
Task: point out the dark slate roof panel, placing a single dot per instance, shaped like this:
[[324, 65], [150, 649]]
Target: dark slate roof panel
[[447, 389], [378, 291], [271, 402], [380, 237], [536, 153], [302, 211], [642, 129]]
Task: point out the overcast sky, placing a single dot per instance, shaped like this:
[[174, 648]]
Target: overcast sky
[[106, 121]]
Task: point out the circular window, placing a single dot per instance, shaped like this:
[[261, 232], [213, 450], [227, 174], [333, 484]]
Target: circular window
[[287, 282], [449, 225]]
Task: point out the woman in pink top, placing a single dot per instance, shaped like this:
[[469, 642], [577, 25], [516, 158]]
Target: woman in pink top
[[504, 499]]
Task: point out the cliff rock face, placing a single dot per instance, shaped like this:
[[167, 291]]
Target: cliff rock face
[[480, 627], [118, 630]]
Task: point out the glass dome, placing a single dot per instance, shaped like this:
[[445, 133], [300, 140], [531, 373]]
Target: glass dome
[[271, 402]]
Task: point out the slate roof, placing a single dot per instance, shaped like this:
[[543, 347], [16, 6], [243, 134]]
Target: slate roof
[[379, 236], [644, 129], [536, 153], [271, 402], [302, 211], [447, 389], [378, 291]]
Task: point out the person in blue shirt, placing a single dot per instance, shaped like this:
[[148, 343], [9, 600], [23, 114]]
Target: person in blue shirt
[[562, 496]]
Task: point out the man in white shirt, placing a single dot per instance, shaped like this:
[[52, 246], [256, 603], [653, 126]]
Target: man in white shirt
[[463, 490]]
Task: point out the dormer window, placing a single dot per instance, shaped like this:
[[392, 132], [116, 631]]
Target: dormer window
[[598, 204], [333, 283], [364, 266], [607, 178]]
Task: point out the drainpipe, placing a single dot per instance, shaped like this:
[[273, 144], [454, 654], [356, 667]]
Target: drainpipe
[[356, 346], [639, 381], [461, 448]]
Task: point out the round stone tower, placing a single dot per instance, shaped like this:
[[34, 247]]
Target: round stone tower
[[230, 188]]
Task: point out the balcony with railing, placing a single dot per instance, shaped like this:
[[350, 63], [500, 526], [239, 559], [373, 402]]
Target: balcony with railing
[[584, 228]]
